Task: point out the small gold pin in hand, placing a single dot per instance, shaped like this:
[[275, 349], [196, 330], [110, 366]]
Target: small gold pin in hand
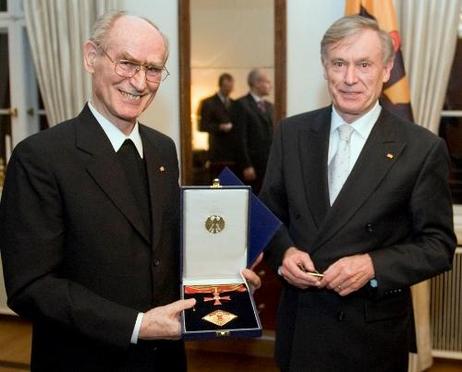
[[315, 273]]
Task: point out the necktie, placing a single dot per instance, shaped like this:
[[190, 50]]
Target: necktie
[[135, 170], [339, 167], [261, 105]]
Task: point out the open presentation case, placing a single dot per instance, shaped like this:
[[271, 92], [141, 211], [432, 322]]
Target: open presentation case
[[215, 248]]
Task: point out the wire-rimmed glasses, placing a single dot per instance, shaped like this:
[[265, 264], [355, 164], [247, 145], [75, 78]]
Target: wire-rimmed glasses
[[128, 69]]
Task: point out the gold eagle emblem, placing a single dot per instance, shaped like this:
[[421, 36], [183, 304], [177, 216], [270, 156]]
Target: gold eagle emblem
[[215, 224]]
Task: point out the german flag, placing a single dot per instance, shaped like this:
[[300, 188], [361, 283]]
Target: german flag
[[395, 95]]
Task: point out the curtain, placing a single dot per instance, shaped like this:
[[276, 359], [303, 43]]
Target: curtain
[[429, 35], [57, 30]]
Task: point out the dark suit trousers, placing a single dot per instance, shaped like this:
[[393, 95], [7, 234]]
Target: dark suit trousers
[[337, 337], [93, 356]]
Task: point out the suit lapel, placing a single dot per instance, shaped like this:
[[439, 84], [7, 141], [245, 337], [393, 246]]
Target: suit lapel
[[380, 152], [313, 145], [106, 170], [155, 170]]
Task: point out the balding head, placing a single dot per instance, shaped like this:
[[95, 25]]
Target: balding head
[[104, 24]]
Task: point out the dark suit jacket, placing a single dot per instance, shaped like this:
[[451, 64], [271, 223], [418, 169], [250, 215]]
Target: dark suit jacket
[[78, 259], [395, 205], [254, 131], [222, 145]]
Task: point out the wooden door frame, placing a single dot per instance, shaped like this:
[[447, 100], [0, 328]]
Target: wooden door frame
[[280, 86]]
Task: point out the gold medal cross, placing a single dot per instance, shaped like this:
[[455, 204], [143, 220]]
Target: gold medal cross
[[216, 297]]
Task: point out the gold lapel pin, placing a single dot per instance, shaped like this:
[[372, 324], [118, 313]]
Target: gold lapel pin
[[162, 169], [390, 156]]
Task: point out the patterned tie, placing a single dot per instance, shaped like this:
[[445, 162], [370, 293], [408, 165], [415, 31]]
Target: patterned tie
[[339, 166], [261, 105]]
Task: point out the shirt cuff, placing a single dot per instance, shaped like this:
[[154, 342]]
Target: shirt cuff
[[136, 329]]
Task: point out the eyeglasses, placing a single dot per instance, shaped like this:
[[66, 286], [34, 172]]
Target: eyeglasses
[[128, 69]]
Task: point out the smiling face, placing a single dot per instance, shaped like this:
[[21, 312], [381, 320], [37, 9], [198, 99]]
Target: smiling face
[[355, 73], [119, 99]]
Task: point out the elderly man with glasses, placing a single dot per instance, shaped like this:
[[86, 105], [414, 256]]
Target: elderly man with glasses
[[89, 219]]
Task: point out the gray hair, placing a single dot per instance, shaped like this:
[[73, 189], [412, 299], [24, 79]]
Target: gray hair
[[104, 24], [253, 76], [351, 25]]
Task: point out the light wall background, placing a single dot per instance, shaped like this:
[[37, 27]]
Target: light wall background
[[306, 23], [234, 37]]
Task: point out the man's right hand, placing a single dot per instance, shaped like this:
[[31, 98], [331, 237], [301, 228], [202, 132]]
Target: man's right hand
[[163, 322], [295, 269]]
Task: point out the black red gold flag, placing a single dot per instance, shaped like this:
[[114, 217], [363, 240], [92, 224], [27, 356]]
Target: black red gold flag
[[395, 95]]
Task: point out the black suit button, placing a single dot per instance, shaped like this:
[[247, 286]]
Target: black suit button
[[369, 228], [156, 262], [340, 315], [154, 348], [297, 216]]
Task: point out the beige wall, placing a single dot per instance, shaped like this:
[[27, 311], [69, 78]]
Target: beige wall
[[306, 23], [233, 37]]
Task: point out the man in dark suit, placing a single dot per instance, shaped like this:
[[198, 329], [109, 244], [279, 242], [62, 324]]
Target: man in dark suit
[[367, 214], [253, 118], [215, 118], [89, 219]]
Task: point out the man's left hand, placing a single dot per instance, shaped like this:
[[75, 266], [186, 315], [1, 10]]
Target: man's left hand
[[348, 274]]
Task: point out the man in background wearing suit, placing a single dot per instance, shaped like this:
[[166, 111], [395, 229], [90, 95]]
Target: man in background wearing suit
[[365, 201], [253, 118], [215, 119], [89, 219]]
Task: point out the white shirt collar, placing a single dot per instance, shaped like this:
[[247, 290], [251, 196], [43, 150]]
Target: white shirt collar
[[115, 135], [255, 97], [222, 97], [362, 126]]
